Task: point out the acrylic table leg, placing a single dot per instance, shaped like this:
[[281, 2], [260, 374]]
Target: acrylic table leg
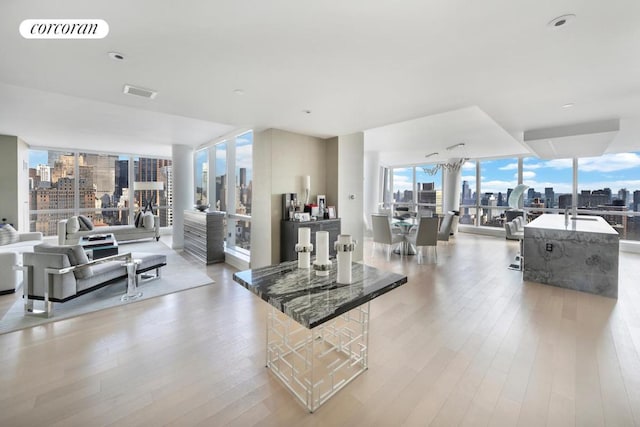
[[132, 289]]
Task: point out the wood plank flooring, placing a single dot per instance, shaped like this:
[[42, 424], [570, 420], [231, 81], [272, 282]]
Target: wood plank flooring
[[465, 342]]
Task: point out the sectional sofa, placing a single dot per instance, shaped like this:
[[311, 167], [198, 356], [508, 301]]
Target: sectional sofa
[[11, 256], [69, 234]]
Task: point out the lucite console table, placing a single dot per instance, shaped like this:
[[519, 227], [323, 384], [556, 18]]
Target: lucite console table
[[317, 329]]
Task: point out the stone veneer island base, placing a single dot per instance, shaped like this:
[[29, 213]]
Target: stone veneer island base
[[578, 253]]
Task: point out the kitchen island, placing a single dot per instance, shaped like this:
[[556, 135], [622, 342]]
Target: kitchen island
[[578, 253]]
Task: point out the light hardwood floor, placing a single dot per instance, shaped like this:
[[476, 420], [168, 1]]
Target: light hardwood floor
[[465, 342]]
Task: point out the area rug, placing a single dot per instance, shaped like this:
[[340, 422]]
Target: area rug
[[178, 275]]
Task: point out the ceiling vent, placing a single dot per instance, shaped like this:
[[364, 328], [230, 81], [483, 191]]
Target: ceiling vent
[[140, 91]]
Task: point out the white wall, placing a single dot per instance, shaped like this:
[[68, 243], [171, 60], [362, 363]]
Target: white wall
[[23, 182], [280, 160], [261, 209], [351, 188], [14, 194]]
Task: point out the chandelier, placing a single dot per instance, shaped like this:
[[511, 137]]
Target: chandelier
[[450, 166]]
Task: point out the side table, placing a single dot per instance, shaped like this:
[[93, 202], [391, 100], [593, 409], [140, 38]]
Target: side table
[[132, 283]]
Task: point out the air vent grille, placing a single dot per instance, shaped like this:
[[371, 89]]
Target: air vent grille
[[140, 91]]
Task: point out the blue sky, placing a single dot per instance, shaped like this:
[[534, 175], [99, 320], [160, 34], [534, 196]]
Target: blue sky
[[38, 157], [614, 171], [41, 157], [244, 156]]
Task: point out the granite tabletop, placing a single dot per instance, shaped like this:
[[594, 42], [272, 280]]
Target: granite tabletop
[[312, 300]]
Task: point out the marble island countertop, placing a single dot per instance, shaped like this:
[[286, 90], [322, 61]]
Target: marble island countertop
[[582, 256], [581, 223], [312, 300]]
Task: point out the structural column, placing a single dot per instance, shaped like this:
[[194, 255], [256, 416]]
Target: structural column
[[182, 165]]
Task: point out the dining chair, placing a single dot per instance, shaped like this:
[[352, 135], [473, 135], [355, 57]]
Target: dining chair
[[445, 227], [427, 235], [382, 233]]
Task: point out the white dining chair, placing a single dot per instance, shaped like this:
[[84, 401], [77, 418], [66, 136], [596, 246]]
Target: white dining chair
[[426, 236], [382, 233]]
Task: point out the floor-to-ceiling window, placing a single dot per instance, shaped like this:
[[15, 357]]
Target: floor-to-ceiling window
[[220, 153], [428, 189], [241, 218], [468, 193], [52, 189], [403, 186], [550, 185], [152, 189], [609, 186], [202, 177], [232, 164], [497, 178], [97, 185]]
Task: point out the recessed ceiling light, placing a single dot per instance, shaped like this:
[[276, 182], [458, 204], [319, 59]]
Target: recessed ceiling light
[[116, 56], [568, 105], [238, 91], [306, 111], [561, 21], [435, 153]]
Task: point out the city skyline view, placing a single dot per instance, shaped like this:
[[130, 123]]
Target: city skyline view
[[613, 171]]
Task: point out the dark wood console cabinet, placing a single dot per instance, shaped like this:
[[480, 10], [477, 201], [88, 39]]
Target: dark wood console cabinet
[[289, 236]]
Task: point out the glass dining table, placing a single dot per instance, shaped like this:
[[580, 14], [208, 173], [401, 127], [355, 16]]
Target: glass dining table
[[404, 227]]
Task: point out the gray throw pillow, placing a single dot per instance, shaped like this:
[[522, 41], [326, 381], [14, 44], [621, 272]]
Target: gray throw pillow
[[74, 253], [85, 223]]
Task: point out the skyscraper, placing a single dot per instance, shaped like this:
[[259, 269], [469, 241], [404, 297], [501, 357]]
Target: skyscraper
[[549, 197], [44, 172]]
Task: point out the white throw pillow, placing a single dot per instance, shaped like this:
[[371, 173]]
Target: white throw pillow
[[147, 220], [73, 225]]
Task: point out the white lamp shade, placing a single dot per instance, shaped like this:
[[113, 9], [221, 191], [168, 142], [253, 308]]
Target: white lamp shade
[[148, 185]]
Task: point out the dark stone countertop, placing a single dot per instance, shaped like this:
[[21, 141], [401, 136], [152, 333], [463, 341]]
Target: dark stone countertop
[[312, 300]]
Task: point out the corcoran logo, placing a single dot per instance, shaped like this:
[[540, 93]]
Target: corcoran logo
[[64, 29]]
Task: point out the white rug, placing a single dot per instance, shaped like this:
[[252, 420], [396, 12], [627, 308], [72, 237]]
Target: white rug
[[178, 275]]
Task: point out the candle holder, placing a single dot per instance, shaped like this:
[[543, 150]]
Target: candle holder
[[344, 247], [304, 254], [322, 269], [322, 265], [304, 247]]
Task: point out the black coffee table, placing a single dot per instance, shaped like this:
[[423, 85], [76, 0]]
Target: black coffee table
[[99, 245]]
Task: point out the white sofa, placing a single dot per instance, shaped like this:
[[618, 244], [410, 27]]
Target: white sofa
[[120, 232], [11, 256]]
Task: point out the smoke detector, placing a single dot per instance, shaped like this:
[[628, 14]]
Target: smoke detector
[[139, 91]]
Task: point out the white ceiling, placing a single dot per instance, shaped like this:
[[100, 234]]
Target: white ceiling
[[357, 65]]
